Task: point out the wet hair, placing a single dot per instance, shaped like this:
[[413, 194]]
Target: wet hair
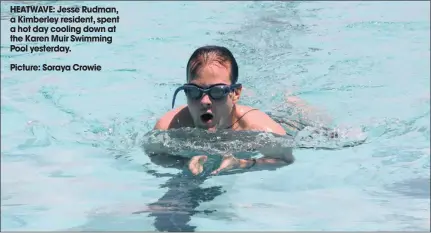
[[211, 53]]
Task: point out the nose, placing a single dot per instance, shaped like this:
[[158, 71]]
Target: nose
[[206, 101]]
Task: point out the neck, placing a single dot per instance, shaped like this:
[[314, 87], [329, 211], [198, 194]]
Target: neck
[[232, 119]]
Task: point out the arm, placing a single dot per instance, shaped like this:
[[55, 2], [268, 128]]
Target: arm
[[272, 159], [232, 165]]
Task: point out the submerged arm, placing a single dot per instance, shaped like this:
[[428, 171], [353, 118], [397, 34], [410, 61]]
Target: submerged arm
[[272, 160]]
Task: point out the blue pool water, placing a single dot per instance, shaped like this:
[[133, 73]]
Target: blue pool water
[[69, 160]]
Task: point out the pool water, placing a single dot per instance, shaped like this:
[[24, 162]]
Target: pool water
[[69, 160]]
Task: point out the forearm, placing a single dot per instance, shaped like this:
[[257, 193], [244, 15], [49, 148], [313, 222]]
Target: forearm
[[260, 164], [264, 163]]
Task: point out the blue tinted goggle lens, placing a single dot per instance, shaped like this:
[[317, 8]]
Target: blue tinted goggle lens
[[215, 92]]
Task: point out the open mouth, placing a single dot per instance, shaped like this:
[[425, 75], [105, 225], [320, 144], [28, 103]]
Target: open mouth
[[206, 117]]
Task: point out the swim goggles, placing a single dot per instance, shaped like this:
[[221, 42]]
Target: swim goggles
[[215, 91]]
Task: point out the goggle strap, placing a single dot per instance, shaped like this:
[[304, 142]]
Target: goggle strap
[[175, 95]]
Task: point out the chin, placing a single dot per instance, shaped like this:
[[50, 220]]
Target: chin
[[203, 126], [209, 126]]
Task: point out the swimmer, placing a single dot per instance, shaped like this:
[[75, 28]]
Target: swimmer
[[213, 92]]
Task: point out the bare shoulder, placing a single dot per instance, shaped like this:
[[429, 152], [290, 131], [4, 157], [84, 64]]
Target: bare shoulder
[[255, 119], [175, 118]]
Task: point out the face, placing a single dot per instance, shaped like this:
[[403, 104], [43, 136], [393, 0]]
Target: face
[[209, 113]]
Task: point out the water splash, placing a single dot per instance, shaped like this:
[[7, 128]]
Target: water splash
[[188, 142]]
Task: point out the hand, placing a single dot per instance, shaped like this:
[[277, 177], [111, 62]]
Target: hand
[[196, 164], [229, 162]]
